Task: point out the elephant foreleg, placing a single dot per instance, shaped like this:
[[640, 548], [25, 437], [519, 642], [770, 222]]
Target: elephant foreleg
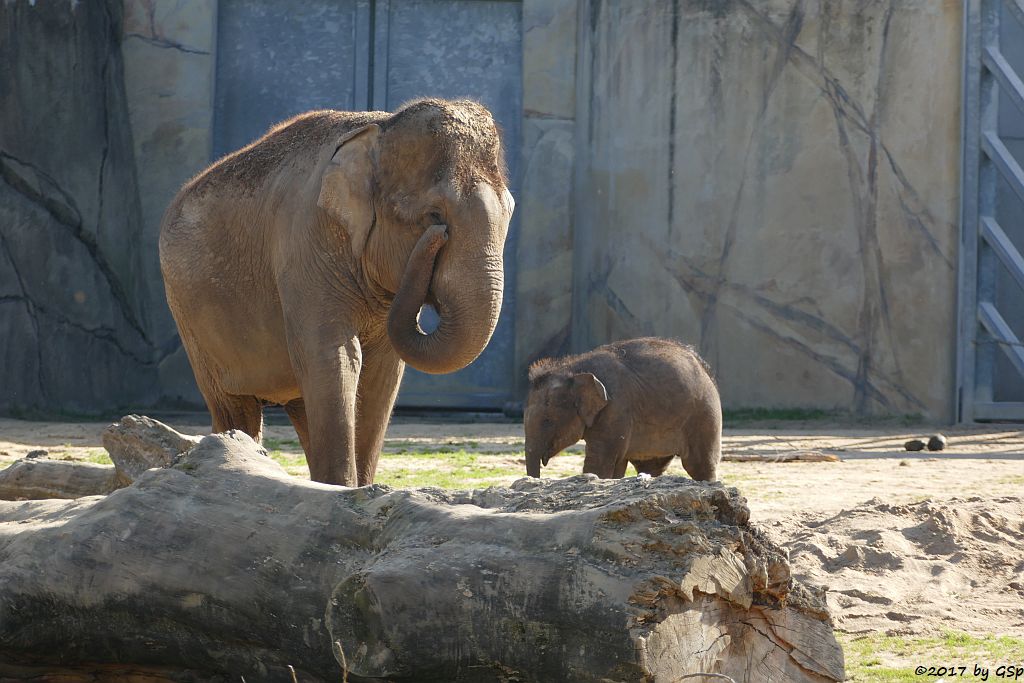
[[606, 458], [328, 380], [379, 380], [607, 445]]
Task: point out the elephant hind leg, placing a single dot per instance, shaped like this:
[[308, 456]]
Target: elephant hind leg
[[235, 412], [296, 411], [654, 466], [701, 456], [228, 411]]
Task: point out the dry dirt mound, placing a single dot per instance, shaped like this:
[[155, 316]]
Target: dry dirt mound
[[917, 568]]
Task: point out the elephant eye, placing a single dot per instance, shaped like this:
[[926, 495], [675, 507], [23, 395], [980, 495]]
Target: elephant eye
[[435, 218]]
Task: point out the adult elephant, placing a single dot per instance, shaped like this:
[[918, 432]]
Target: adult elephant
[[296, 267]]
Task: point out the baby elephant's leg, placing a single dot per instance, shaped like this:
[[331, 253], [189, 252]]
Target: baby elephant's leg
[[654, 467], [701, 443], [620, 468], [702, 470], [701, 456]]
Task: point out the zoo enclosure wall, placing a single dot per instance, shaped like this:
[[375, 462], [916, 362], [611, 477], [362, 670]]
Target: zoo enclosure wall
[[776, 183]]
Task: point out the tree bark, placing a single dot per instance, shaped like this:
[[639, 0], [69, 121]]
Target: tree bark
[[135, 444], [224, 566], [40, 479]]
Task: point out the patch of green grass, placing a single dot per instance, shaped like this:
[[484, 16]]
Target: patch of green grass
[[293, 463], [272, 444], [447, 469], [443, 467], [890, 659], [399, 445], [460, 478], [1011, 479], [417, 449], [446, 453], [288, 454], [96, 455]]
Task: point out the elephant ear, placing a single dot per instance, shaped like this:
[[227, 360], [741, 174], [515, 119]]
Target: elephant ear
[[346, 188], [591, 396]]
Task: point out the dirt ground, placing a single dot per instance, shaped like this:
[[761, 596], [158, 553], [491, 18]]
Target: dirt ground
[[905, 543]]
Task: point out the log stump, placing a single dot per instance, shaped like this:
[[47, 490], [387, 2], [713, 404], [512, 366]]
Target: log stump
[[223, 566]]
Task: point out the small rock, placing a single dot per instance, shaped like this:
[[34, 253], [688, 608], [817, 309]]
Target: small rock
[[937, 442], [914, 445], [39, 453]]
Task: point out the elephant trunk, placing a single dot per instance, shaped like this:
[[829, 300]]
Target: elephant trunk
[[532, 463], [468, 305]]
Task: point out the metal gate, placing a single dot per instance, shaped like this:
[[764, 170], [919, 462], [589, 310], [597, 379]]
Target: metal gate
[[991, 355], [277, 58]]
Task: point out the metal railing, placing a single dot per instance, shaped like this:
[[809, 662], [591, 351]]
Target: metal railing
[[985, 246]]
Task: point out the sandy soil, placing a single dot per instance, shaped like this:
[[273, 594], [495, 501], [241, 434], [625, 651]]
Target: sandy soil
[[905, 543]]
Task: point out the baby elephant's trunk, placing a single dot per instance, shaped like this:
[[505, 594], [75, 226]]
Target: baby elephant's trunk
[[532, 463]]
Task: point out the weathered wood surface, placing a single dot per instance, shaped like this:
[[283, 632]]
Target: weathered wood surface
[[135, 444], [785, 456], [224, 566], [40, 478]]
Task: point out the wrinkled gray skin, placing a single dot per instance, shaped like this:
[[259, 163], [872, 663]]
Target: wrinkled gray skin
[[295, 269], [641, 401]]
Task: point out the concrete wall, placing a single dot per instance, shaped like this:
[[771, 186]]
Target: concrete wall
[[73, 314], [545, 204], [755, 178], [169, 58], [774, 182]]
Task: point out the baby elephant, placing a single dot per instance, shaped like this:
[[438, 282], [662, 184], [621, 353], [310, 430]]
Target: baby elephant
[[642, 401]]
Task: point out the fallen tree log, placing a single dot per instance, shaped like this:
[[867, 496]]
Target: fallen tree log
[[224, 566], [41, 478], [135, 444], [783, 456]]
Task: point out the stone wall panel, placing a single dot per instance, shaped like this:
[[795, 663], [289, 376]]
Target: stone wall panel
[[73, 309], [800, 224]]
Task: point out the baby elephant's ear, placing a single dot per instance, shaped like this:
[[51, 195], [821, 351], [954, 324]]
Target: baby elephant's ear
[[346, 188], [591, 396]]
